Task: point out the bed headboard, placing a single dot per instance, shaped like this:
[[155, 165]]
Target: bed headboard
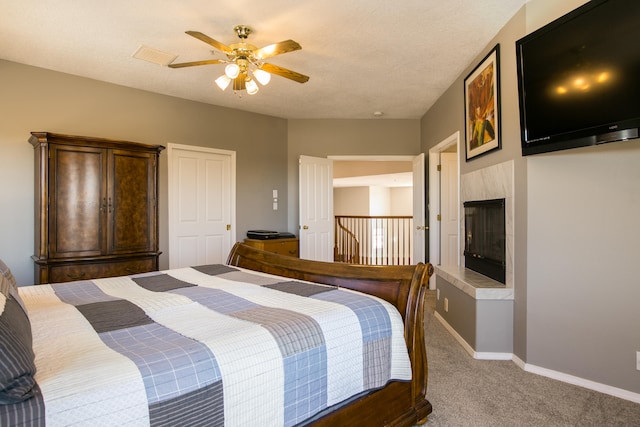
[[398, 285]]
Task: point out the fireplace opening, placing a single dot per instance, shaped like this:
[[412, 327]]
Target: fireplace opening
[[485, 238]]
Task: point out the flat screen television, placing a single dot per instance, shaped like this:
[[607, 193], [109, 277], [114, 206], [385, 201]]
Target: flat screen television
[[579, 78]]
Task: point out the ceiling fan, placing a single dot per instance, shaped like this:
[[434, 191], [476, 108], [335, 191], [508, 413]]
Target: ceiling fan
[[245, 62]]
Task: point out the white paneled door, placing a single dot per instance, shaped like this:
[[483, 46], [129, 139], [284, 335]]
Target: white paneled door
[[449, 244], [201, 205], [316, 208]]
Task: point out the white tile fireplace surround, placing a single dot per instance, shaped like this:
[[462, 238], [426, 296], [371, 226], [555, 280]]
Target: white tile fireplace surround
[[493, 182]]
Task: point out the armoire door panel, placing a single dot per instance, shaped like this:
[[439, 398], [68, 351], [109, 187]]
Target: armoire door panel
[[76, 202], [131, 200]]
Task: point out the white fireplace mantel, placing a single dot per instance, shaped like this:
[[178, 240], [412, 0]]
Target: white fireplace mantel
[[474, 284], [493, 182]]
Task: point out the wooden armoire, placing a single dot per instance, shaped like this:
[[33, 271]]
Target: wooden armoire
[[96, 207]]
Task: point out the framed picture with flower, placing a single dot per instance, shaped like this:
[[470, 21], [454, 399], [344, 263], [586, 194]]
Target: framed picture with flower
[[482, 106]]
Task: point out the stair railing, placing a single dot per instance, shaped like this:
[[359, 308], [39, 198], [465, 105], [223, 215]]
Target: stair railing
[[374, 240]]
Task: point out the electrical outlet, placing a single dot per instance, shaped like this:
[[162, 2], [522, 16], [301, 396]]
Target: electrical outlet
[[446, 304], [638, 360]]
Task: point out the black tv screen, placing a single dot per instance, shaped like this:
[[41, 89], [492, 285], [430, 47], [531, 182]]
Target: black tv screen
[[579, 78]]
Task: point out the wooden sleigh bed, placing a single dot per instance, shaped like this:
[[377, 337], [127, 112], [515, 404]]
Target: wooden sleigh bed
[[240, 294]]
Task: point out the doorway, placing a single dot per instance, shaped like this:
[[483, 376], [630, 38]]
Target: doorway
[[414, 174], [444, 203]]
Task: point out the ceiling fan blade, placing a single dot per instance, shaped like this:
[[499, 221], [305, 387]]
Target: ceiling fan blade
[[191, 64], [215, 43], [277, 49], [280, 71]]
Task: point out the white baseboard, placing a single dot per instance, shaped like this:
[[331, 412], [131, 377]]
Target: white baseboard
[[455, 334], [521, 364], [468, 348], [581, 382], [556, 375], [486, 355]]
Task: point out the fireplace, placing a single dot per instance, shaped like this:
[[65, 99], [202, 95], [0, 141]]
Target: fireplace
[[485, 238]]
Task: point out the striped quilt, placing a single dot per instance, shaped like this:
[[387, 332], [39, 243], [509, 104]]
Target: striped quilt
[[211, 345]]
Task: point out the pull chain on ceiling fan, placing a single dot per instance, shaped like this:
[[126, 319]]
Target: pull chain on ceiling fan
[[245, 62]]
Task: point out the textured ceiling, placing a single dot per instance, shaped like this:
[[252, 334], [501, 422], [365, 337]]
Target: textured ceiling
[[396, 57]]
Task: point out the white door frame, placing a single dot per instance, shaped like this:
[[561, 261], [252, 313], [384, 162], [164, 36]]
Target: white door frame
[[434, 199], [419, 209], [172, 196]]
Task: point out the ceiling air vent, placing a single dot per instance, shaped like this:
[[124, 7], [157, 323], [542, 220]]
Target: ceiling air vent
[[155, 56]]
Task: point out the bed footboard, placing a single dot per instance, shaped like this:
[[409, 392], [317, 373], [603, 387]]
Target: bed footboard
[[399, 403]]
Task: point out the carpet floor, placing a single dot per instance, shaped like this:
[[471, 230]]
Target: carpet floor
[[469, 392]]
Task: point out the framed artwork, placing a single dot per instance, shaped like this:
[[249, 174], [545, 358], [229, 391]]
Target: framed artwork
[[482, 106]]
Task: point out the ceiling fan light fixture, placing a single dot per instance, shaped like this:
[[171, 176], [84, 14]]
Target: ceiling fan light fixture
[[232, 70], [244, 62], [252, 87], [223, 81], [262, 76]]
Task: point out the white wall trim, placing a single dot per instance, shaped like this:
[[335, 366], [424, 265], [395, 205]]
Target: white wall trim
[[521, 364], [373, 158], [480, 355], [488, 355], [556, 375], [582, 382], [455, 334]]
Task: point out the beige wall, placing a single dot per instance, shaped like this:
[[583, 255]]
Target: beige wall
[[347, 168], [401, 201], [34, 99], [583, 231], [373, 201], [351, 201]]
